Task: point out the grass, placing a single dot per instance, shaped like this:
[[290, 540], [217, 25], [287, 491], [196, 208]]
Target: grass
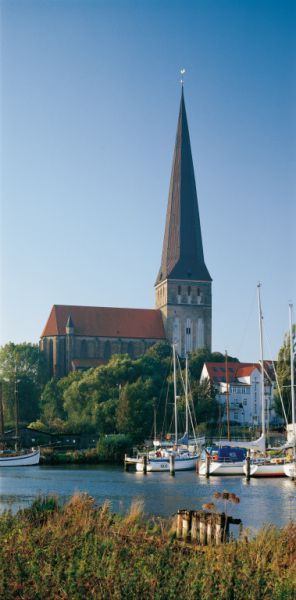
[[81, 551]]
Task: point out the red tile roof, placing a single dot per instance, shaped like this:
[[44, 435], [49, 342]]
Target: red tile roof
[[106, 322], [235, 370]]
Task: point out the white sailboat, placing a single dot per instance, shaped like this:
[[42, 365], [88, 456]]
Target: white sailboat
[[264, 466], [185, 459], [290, 468], [17, 458], [20, 459]]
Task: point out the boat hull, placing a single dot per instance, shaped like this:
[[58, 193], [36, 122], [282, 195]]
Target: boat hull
[[266, 470], [161, 465], [21, 460], [290, 471], [222, 468]]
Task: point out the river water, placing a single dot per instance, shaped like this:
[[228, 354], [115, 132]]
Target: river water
[[261, 501]]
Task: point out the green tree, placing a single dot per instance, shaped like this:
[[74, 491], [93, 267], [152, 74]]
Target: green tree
[[206, 406], [283, 369], [23, 375], [135, 409]]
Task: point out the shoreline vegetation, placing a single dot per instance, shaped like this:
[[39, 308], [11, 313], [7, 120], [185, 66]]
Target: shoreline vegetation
[[82, 551]]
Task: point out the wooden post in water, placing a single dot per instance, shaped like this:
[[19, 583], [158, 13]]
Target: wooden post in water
[[208, 462], [145, 464], [202, 530], [195, 527], [209, 528], [186, 524], [218, 530], [172, 464], [179, 524], [248, 463]]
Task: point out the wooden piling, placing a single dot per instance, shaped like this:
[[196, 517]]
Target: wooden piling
[[186, 522], [179, 524], [195, 527], [145, 464], [202, 530], [218, 530], [208, 462], [209, 529], [248, 464], [172, 464]]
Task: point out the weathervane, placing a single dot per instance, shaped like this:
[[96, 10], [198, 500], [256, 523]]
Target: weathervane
[[183, 71]]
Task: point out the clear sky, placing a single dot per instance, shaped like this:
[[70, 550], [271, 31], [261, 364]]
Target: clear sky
[[89, 104]]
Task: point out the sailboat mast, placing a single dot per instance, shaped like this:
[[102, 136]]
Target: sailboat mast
[[186, 397], [175, 394], [261, 357], [227, 396], [292, 373]]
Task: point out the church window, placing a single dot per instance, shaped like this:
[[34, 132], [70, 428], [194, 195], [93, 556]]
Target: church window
[[107, 350], [179, 294], [131, 349], [177, 334], [83, 349], [200, 337], [188, 336]]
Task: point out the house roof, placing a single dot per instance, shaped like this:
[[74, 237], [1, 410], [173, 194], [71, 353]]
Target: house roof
[[106, 322], [235, 370], [182, 254]]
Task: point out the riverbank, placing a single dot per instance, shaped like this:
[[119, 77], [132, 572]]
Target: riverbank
[[53, 457], [80, 551]]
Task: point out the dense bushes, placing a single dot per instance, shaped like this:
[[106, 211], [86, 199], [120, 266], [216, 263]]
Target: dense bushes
[[82, 552]]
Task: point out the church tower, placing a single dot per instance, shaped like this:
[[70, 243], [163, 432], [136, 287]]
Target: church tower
[[183, 284]]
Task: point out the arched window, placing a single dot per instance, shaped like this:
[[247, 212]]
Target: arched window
[[107, 350], [83, 349], [200, 334], [188, 336], [177, 334], [131, 349]]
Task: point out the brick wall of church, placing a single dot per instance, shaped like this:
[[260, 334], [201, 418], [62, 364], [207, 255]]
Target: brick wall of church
[[60, 351]]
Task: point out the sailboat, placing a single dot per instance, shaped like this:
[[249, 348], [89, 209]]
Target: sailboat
[[184, 459], [20, 458], [264, 466], [290, 468], [17, 458]]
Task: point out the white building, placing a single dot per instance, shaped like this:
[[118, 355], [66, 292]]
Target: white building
[[242, 381]]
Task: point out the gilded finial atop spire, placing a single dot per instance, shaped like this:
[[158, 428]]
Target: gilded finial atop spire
[[183, 71]]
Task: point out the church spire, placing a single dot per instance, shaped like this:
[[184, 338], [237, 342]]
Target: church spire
[[182, 254]]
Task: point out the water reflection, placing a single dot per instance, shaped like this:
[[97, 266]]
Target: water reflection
[[261, 501]]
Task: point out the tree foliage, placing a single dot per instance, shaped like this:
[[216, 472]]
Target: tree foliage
[[283, 369], [23, 374], [122, 396]]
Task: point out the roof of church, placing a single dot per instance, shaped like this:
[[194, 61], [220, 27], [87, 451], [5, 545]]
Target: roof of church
[[182, 254], [106, 322]]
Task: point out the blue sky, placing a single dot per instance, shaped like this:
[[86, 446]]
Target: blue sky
[[89, 105]]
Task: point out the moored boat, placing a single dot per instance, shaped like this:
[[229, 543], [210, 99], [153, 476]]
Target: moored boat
[[180, 451], [20, 459], [222, 460], [184, 460]]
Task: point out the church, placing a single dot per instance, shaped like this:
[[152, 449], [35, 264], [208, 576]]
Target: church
[[81, 337]]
